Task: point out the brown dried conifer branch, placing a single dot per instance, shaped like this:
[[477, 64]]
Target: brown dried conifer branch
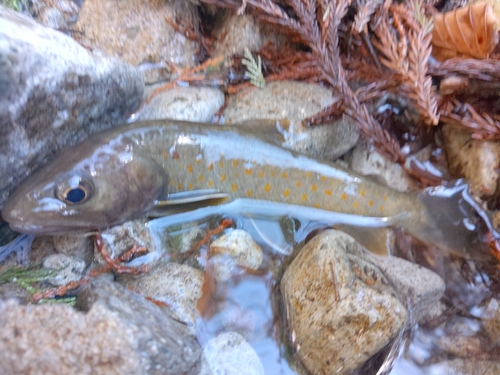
[[366, 9], [487, 69], [423, 93], [482, 125]]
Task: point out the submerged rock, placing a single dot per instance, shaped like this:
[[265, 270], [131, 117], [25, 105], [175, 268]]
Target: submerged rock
[[68, 268], [121, 333], [230, 354], [53, 94], [237, 248], [333, 294], [295, 101], [177, 285]]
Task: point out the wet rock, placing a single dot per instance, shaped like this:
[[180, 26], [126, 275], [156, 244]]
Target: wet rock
[[491, 320], [179, 286], [295, 101], [190, 104], [68, 268], [121, 333], [372, 164], [332, 294], [121, 238], [476, 160], [137, 32], [237, 248], [56, 14], [421, 288], [230, 354], [461, 346], [53, 94], [465, 367], [80, 247]]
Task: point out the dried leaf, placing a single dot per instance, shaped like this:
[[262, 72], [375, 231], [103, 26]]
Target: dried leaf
[[470, 30]]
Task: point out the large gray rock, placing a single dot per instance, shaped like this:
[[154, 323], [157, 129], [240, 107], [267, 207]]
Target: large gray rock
[[122, 333], [53, 93], [340, 308]]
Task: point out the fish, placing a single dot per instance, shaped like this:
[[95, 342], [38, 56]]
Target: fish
[[151, 168]]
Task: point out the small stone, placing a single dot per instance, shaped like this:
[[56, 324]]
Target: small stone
[[78, 246], [476, 160], [491, 321], [68, 268], [332, 293], [121, 238], [230, 354], [237, 248], [198, 104], [375, 165], [179, 286]]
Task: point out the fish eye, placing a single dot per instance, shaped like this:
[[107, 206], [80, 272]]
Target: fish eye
[[75, 190]]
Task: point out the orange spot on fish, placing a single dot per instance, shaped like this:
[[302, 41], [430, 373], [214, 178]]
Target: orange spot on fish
[[328, 192], [210, 167], [190, 186], [323, 178], [384, 197], [234, 187], [267, 188], [223, 177], [304, 197], [273, 173], [381, 208], [179, 186], [314, 187], [210, 183], [221, 163], [362, 193], [261, 174], [165, 155], [171, 183], [197, 161], [316, 205], [248, 172], [343, 196], [370, 203], [200, 177], [284, 175], [190, 169], [286, 193], [298, 184], [249, 193], [235, 163], [308, 174], [355, 204]]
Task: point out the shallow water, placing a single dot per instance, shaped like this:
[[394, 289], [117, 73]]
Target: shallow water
[[249, 303]]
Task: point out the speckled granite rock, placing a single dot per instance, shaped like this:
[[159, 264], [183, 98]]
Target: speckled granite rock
[[136, 30], [122, 333], [332, 295], [53, 93]]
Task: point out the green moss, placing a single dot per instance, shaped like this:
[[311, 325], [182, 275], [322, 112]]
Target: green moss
[[18, 5]]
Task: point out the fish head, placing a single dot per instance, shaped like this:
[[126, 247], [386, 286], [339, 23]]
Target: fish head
[[88, 187]]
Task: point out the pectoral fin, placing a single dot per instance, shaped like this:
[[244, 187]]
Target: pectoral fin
[[186, 197]]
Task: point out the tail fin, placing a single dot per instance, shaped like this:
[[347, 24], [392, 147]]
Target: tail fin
[[454, 216]]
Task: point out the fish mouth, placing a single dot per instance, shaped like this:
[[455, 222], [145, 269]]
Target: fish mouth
[[30, 228]]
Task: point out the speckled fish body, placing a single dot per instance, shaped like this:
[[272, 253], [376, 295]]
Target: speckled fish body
[[126, 170]]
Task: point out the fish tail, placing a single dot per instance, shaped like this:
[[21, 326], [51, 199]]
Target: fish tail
[[451, 217]]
